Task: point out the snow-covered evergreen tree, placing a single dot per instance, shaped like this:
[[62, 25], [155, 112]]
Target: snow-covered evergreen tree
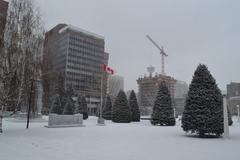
[[81, 107], [163, 113], [203, 112], [70, 91], [69, 107], [121, 111], [133, 104], [59, 86], [56, 105], [107, 110], [60, 91]]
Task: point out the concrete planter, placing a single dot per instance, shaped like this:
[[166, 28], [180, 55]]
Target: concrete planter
[[56, 120]]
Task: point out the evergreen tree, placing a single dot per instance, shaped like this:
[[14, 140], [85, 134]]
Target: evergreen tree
[[69, 107], [162, 110], [203, 111], [107, 110], [70, 91], [60, 91], [56, 105], [135, 113], [121, 112], [59, 86], [82, 107]]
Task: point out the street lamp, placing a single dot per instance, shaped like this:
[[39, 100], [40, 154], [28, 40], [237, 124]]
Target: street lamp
[[238, 110], [225, 118]]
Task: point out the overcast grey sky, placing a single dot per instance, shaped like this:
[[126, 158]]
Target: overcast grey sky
[[192, 32]]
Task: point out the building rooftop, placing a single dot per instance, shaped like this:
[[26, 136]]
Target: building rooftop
[[80, 30]]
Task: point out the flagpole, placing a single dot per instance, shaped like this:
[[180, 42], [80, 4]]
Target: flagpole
[[106, 70], [1, 119], [101, 96], [100, 119]]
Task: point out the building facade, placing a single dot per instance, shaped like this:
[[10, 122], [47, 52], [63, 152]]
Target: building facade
[[233, 96], [79, 55], [148, 88], [3, 17], [180, 95]]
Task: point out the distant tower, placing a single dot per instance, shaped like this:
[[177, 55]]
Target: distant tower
[[150, 70]]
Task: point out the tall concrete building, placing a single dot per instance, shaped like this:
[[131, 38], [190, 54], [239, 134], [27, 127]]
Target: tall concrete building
[[233, 96], [115, 84], [79, 55], [180, 95], [148, 87], [3, 17]]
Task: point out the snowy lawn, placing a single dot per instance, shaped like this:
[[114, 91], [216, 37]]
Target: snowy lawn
[[133, 141]]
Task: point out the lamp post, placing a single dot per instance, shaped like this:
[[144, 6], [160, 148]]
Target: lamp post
[[225, 118], [1, 117], [238, 120], [29, 104]]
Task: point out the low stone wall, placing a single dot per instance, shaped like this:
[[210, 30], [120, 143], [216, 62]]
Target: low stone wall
[[56, 120]]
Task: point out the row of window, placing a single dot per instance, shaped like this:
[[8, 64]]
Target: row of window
[[96, 44], [90, 48], [84, 63], [85, 56]]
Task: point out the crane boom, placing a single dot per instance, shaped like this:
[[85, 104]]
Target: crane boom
[[162, 53], [153, 42]]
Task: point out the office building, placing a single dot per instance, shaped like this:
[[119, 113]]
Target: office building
[[148, 87], [233, 96], [180, 95], [79, 55]]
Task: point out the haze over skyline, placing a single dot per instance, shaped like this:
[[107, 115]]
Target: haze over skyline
[[191, 32]]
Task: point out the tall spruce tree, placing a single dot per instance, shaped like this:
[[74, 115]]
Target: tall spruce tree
[[59, 86], [107, 110], [162, 110], [70, 91], [56, 105], [69, 107], [121, 111], [82, 107], [135, 113], [203, 111], [60, 91]]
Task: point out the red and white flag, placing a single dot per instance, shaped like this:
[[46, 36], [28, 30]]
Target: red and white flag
[[108, 69]]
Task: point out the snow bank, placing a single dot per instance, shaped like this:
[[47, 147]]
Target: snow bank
[[133, 141]]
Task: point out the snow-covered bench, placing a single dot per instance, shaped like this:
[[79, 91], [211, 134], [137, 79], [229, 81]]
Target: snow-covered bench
[[56, 120]]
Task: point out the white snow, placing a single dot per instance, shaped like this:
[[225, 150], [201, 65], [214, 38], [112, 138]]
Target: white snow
[[134, 141]]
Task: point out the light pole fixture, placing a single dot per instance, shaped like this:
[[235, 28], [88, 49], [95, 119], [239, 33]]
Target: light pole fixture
[[238, 112], [225, 118]]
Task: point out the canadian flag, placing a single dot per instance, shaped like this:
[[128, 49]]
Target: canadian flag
[[108, 69]]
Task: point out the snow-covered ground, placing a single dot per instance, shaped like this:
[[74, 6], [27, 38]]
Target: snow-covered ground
[[134, 141]]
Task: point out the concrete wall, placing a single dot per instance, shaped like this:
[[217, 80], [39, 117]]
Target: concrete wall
[[56, 120]]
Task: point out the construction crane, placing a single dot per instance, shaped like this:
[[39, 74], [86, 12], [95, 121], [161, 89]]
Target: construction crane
[[162, 53]]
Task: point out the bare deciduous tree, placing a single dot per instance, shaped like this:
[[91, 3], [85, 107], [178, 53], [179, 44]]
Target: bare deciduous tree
[[21, 55]]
